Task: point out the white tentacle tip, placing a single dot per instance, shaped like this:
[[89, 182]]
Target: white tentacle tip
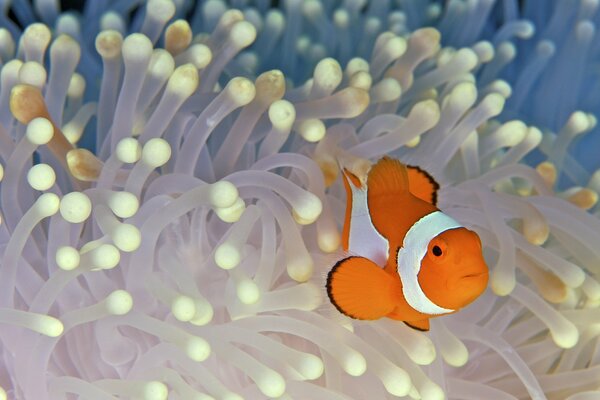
[[242, 34], [161, 64], [493, 103], [307, 210], [197, 349], [271, 384], [424, 355], [123, 204], [578, 122], [39, 131], [466, 58], [361, 80], [156, 152], [329, 241], [105, 256], [184, 80], [387, 89], [75, 207], [223, 194], [574, 279], [398, 383], [248, 292], [127, 237], [49, 326], [312, 130], [227, 256], [566, 336], [431, 391], [199, 55], [162, 10], [33, 73], [204, 313], [463, 95], [354, 364], [312, 297], [457, 356], [47, 204], [76, 86], [37, 33], [155, 390], [536, 232], [282, 114], [395, 47], [240, 90], [119, 302], [328, 73], [300, 269], [232, 213], [41, 177], [183, 308], [427, 111], [513, 131], [484, 50], [501, 284], [67, 258], [128, 150], [311, 367], [109, 42], [136, 47]]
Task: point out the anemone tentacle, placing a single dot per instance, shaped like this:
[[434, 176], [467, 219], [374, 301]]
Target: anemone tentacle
[[170, 197]]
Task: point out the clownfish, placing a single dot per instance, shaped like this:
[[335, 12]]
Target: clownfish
[[406, 260]]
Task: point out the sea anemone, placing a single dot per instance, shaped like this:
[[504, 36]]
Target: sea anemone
[[170, 202]]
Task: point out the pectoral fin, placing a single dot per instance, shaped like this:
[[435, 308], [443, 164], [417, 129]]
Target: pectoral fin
[[360, 289]]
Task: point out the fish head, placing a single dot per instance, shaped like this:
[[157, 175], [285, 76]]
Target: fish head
[[453, 271]]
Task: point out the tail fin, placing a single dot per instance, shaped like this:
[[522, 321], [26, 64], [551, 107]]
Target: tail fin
[[360, 289]]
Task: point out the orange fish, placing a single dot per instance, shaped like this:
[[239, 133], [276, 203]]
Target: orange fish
[[409, 261]]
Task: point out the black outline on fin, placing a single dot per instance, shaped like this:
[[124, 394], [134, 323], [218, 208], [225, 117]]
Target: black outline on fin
[[431, 179], [328, 286], [415, 328]]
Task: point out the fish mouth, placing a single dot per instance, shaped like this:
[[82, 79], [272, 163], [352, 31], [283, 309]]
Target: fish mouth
[[474, 275]]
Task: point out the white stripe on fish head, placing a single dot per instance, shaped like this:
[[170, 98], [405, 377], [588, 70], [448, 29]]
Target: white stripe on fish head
[[411, 255]]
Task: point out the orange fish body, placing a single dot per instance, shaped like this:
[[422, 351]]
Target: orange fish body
[[409, 261]]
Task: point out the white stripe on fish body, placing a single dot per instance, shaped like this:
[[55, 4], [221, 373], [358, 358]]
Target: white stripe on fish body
[[364, 239], [411, 255]]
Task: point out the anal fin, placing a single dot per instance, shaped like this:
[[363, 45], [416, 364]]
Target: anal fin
[[422, 325]]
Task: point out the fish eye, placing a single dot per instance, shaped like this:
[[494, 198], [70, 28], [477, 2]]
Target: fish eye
[[438, 250]]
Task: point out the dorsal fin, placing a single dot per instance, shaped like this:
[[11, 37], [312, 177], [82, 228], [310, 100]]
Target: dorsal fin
[[422, 185], [349, 180], [355, 169], [352, 179], [387, 177]]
